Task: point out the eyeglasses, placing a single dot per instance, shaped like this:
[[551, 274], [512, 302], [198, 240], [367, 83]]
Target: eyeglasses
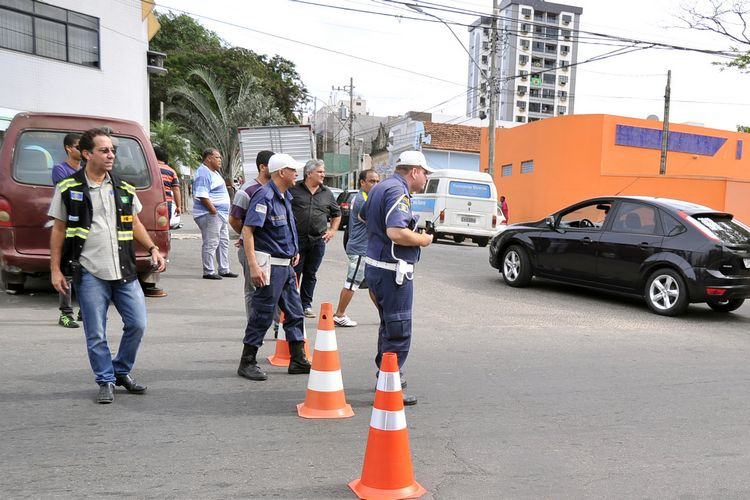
[[106, 151]]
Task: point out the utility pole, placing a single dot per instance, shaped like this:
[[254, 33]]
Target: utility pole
[[665, 129], [491, 87], [351, 125], [350, 88]]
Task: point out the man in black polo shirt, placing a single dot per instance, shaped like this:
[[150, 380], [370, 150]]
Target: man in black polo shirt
[[313, 205]]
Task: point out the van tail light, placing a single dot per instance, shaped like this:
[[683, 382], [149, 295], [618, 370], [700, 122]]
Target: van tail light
[[442, 216], [162, 216], [345, 205], [6, 214], [494, 220], [715, 291]]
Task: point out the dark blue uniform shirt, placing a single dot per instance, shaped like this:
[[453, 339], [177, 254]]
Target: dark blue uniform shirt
[[389, 205], [270, 213]]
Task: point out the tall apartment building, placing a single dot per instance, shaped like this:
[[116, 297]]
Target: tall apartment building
[[537, 50]]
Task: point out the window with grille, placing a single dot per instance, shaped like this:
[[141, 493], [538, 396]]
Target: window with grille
[[527, 166], [48, 31]]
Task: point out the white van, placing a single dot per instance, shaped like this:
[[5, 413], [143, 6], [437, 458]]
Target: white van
[[459, 203]]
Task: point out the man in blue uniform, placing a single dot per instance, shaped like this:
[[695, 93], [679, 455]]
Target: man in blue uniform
[[271, 249], [392, 251]]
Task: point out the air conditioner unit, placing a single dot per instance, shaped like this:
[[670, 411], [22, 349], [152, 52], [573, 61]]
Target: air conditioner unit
[[563, 98], [521, 92], [563, 82]]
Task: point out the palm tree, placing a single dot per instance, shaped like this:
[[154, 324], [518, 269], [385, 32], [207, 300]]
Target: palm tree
[[172, 137], [212, 114]]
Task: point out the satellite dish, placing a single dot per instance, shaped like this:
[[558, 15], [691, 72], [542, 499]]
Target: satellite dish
[[653, 118]]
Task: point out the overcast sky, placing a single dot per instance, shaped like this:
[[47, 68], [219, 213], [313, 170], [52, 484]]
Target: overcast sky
[[434, 65]]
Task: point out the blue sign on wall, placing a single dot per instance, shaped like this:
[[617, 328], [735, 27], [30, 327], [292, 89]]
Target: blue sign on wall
[[641, 137], [422, 204], [472, 189]]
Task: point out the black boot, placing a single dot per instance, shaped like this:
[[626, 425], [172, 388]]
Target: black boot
[[298, 362], [248, 365]]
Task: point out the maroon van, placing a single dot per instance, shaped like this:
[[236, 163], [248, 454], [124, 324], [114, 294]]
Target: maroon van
[[31, 146]]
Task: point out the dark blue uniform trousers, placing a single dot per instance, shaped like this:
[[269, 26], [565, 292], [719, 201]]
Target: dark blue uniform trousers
[[282, 291], [394, 306]]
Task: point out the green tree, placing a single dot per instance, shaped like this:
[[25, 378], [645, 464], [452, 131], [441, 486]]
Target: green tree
[[743, 128], [173, 138], [213, 113], [726, 18], [189, 45]]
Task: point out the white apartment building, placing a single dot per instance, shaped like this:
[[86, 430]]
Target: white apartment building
[[85, 57], [537, 50]]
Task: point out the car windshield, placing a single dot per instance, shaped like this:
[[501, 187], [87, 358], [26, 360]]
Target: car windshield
[[38, 151], [723, 227]]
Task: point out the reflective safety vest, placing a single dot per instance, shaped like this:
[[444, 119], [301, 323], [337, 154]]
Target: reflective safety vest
[[77, 199]]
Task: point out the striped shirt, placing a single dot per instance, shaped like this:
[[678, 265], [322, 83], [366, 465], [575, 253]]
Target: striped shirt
[[170, 180]]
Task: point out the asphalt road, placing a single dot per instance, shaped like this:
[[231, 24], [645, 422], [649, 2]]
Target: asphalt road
[[543, 392]]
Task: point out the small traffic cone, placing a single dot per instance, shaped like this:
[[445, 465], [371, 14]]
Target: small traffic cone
[[325, 388], [387, 470], [281, 355]]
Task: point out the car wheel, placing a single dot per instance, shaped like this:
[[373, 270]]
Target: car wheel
[[516, 266], [459, 238], [482, 242], [666, 293], [725, 306]]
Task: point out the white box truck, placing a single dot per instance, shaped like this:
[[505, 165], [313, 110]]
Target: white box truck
[[460, 204], [295, 140]]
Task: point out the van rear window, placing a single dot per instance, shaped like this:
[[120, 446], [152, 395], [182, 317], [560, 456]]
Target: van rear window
[[473, 189], [38, 151], [729, 231]]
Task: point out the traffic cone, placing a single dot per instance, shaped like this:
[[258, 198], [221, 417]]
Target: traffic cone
[[387, 470], [281, 355], [325, 388]]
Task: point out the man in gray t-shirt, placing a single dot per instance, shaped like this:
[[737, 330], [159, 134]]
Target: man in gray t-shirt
[[356, 248]]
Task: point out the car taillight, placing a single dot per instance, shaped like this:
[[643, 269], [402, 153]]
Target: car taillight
[[494, 220], [442, 216], [716, 291], [6, 214], [345, 205], [162, 216]]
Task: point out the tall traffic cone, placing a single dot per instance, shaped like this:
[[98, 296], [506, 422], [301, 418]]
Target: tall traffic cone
[[281, 355], [387, 470], [325, 388]]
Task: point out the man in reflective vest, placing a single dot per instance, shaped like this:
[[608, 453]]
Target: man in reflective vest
[[393, 248], [96, 224]]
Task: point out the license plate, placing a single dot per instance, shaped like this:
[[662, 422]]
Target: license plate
[[466, 218], [747, 263]]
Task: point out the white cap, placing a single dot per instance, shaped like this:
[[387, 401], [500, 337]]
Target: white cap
[[413, 159], [281, 160]]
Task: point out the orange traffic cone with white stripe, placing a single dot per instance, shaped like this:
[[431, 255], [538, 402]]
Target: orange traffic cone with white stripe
[[325, 388], [281, 355], [387, 470]]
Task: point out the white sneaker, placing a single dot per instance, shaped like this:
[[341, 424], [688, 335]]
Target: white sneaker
[[344, 321], [308, 313]]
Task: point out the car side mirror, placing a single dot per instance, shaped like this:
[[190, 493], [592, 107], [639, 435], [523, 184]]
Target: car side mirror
[[550, 220]]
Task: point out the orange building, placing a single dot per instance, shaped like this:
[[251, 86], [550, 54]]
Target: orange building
[[546, 165]]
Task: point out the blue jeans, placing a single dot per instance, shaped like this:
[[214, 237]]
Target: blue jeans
[[94, 296], [310, 259]]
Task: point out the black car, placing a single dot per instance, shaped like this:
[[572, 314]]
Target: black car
[[670, 252], [345, 201]]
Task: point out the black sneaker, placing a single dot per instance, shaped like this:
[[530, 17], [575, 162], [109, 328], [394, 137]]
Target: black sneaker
[[67, 321], [80, 316]]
